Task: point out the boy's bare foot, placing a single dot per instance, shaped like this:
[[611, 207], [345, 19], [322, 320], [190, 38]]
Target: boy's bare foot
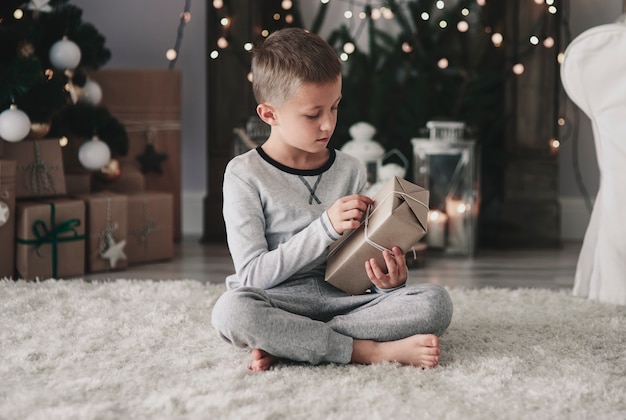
[[260, 360], [418, 350]]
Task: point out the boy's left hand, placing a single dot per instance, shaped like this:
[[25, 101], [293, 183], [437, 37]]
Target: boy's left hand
[[396, 274]]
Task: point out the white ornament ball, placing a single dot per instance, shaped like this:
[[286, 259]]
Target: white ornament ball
[[94, 154], [14, 124], [65, 54], [91, 93]]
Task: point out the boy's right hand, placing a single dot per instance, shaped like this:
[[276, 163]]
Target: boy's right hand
[[347, 212]]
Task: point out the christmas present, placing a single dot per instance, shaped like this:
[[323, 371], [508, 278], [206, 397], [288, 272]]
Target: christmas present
[[77, 183], [147, 102], [39, 171], [50, 238], [150, 234], [129, 181], [107, 228], [7, 217], [398, 217]]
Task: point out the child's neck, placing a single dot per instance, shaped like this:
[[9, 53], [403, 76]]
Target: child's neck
[[302, 160]]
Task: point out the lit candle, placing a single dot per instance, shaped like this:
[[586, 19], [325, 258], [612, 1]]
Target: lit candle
[[436, 237], [457, 211]]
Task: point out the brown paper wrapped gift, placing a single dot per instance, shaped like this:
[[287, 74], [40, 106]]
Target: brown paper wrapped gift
[[50, 238], [398, 217], [130, 181], [7, 217], [147, 102], [39, 168], [77, 183], [150, 235], [107, 228]]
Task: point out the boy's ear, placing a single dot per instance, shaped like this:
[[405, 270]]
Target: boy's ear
[[267, 113]]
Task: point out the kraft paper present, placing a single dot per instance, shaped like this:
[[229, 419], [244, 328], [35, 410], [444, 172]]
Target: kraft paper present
[[150, 233], [107, 230], [39, 171], [77, 183], [148, 103], [130, 181], [398, 217], [7, 217], [50, 238]]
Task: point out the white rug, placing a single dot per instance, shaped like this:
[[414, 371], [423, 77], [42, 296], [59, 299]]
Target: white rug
[[141, 349]]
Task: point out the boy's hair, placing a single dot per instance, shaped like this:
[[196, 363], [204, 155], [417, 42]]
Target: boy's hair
[[287, 59]]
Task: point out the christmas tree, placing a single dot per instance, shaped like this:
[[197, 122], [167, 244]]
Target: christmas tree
[[46, 54]]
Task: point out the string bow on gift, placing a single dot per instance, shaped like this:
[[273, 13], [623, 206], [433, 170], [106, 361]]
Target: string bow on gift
[[52, 235]]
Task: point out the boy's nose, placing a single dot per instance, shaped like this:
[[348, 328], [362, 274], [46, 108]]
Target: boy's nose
[[328, 122]]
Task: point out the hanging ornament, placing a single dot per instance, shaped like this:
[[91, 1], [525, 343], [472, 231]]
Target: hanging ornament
[[65, 54], [39, 130], [91, 93], [39, 6], [111, 171], [14, 124], [114, 250], [94, 154], [5, 213], [151, 160]]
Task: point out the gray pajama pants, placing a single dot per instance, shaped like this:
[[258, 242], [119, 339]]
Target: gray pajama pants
[[309, 320]]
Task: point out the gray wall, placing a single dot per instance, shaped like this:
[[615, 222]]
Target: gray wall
[[139, 32]]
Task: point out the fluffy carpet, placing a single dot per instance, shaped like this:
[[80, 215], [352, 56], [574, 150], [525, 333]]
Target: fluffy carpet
[[142, 349]]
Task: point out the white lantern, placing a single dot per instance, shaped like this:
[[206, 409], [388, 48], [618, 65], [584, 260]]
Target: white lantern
[[94, 154], [65, 54], [14, 124], [363, 147]]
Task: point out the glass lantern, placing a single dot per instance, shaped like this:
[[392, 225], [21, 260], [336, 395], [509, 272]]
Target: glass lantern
[[449, 170]]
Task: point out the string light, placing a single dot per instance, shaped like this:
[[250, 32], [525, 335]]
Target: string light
[[462, 26], [555, 145], [518, 69], [18, 14], [185, 18], [497, 39]]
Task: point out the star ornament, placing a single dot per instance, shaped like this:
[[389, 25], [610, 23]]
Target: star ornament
[[114, 251], [40, 6], [4, 213], [151, 160]]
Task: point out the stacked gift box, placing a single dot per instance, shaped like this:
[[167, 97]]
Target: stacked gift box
[[59, 225]]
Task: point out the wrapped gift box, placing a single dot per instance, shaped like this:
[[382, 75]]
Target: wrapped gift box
[[398, 217], [77, 183], [107, 228], [147, 102], [39, 170], [130, 181], [50, 238], [7, 217], [150, 235]]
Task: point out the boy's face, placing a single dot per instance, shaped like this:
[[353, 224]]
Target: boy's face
[[307, 120]]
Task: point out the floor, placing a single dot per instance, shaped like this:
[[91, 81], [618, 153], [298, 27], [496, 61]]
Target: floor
[[536, 268]]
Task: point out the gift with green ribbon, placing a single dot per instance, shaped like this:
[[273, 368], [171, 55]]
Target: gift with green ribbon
[[50, 239], [7, 217]]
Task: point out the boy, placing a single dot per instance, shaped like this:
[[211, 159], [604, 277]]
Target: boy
[[284, 203]]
